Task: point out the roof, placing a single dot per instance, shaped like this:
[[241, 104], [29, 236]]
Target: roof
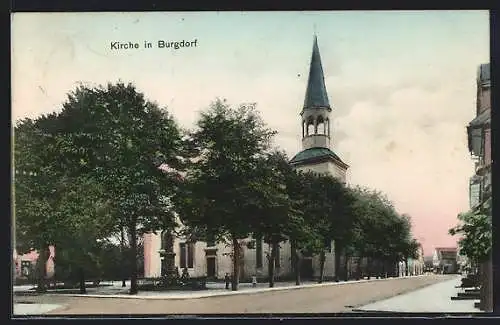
[[481, 119], [316, 154], [474, 131], [483, 75], [449, 249], [316, 95]]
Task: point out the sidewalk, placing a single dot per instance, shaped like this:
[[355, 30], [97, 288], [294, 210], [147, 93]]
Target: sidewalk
[[33, 309], [214, 289], [435, 298]]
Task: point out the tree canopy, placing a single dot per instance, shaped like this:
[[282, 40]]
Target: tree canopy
[[111, 160]]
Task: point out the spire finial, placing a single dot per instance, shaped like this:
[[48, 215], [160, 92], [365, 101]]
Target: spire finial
[[314, 28], [316, 95]]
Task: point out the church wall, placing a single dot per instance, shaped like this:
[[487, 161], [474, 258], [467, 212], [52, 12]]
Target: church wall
[[315, 141], [325, 167], [152, 259], [199, 258], [316, 168], [336, 171], [249, 267], [329, 265]]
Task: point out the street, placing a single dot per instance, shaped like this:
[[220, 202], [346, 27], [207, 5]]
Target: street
[[326, 299]]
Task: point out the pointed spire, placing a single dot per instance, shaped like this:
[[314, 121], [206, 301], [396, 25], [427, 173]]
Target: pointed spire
[[316, 95]]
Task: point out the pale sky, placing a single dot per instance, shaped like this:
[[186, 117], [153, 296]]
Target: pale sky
[[402, 84]]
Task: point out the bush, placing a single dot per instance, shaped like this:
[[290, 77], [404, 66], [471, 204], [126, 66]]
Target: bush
[[159, 284]]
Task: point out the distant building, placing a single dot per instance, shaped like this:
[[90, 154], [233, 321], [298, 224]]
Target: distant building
[[445, 260], [417, 266], [428, 262], [25, 264], [479, 143]]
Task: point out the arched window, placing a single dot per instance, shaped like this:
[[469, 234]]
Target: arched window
[[320, 125], [327, 127], [310, 126], [303, 128]]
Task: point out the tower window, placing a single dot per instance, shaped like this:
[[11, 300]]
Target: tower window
[[320, 126], [327, 127], [310, 127]]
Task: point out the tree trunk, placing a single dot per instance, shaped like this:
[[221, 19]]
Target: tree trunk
[[236, 265], [133, 258], [295, 261], [486, 290], [322, 259], [122, 249], [41, 267], [297, 270], [369, 267], [346, 267], [83, 289], [338, 252], [358, 268], [272, 264]]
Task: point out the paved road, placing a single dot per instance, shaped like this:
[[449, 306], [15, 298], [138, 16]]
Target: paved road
[[328, 299]]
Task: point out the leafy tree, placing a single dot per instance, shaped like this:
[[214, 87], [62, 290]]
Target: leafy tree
[[307, 227], [37, 191], [381, 234], [476, 230], [339, 225], [88, 221], [116, 137], [230, 142], [272, 205]]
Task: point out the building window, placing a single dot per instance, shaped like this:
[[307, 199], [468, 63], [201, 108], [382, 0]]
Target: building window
[[186, 255], [251, 244], [258, 251]]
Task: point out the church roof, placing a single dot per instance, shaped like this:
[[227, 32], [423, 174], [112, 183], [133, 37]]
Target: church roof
[[316, 154], [316, 95]]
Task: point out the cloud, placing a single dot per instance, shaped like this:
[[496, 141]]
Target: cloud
[[414, 149]]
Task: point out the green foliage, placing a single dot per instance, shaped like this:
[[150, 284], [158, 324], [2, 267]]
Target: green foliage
[[103, 155], [223, 182], [378, 230], [112, 159], [476, 230]]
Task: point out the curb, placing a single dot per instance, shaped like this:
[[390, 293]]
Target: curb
[[232, 293]]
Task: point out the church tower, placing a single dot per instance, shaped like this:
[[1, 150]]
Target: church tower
[[317, 154]]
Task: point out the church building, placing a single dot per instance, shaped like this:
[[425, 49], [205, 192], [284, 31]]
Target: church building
[[212, 259]]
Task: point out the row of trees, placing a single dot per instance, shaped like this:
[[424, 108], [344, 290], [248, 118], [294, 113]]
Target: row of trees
[[112, 162]]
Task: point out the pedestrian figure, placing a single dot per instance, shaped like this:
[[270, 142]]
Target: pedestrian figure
[[185, 274], [254, 281], [227, 280]]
